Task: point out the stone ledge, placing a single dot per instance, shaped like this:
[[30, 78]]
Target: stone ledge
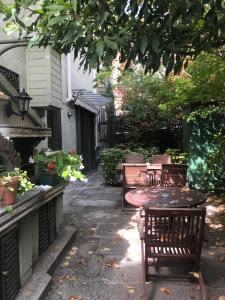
[[38, 285]]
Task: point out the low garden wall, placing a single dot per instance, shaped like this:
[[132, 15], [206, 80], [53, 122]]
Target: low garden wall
[[25, 233]]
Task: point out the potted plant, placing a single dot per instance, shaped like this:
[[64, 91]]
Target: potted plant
[[12, 184], [59, 166]]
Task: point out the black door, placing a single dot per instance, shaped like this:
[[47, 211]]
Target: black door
[[85, 123], [54, 122]]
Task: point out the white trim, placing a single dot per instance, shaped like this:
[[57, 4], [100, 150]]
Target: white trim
[[69, 77]]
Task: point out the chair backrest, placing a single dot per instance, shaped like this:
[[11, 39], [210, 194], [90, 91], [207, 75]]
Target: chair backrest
[[161, 159], [134, 158], [175, 227], [134, 175], [174, 175]]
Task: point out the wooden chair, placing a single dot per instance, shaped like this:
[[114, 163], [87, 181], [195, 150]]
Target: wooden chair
[[134, 176], [174, 175], [134, 158], [171, 235], [161, 159]]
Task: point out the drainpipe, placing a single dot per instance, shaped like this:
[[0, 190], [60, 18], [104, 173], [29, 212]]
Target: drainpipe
[[69, 77]]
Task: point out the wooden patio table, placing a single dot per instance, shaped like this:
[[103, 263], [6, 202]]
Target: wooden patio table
[[158, 196], [148, 165]]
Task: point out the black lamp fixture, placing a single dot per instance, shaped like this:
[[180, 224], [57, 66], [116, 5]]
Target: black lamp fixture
[[23, 102]]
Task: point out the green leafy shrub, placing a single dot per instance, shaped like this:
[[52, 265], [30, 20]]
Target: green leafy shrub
[[110, 159], [214, 174], [147, 153], [177, 156]]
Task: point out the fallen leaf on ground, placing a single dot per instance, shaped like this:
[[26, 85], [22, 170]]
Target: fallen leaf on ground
[[90, 252], [67, 257], [80, 261], [106, 249], [195, 274], [75, 298], [131, 289], [111, 263], [165, 290], [222, 258], [116, 239], [66, 264], [73, 251], [69, 277]]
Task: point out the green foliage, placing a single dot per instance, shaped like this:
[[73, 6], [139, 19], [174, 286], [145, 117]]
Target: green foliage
[[177, 156], [102, 81], [24, 184], [110, 159], [8, 208], [215, 172], [150, 31], [142, 116], [141, 100], [201, 87], [66, 165]]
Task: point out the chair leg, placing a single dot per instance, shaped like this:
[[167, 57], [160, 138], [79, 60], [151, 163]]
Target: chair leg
[[123, 199], [143, 271]]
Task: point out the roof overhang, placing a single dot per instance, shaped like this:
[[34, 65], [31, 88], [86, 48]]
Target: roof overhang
[[86, 105]]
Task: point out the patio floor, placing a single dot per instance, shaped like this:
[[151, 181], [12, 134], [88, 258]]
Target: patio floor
[[104, 261]]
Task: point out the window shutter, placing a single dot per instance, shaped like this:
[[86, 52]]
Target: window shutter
[[9, 266]]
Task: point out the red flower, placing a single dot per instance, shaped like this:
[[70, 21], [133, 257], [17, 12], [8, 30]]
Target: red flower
[[73, 152], [51, 166]]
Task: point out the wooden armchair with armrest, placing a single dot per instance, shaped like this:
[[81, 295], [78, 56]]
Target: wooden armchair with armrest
[[174, 236]]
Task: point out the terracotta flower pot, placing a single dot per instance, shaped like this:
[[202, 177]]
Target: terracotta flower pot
[[8, 191]]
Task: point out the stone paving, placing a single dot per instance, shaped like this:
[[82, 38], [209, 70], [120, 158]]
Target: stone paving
[[105, 262]]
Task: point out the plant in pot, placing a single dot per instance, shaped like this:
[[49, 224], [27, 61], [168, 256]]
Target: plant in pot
[[13, 184], [59, 167]]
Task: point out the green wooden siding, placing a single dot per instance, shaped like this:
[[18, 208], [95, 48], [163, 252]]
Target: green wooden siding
[[44, 77], [201, 144]]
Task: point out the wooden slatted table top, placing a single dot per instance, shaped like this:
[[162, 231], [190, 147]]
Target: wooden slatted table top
[[148, 165], [165, 197]]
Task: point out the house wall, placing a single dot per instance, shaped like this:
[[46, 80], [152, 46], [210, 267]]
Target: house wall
[[44, 77], [81, 79], [14, 59], [69, 141]]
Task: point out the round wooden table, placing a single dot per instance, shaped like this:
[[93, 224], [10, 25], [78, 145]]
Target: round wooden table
[[165, 197]]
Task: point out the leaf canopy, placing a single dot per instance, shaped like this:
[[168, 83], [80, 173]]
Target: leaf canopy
[[96, 30]]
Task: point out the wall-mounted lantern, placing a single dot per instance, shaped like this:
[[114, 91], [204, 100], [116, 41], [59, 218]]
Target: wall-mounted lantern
[[23, 102]]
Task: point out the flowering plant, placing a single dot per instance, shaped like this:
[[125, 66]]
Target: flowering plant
[[66, 165]]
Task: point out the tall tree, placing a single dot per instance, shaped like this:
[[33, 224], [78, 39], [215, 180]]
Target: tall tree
[[151, 31]]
